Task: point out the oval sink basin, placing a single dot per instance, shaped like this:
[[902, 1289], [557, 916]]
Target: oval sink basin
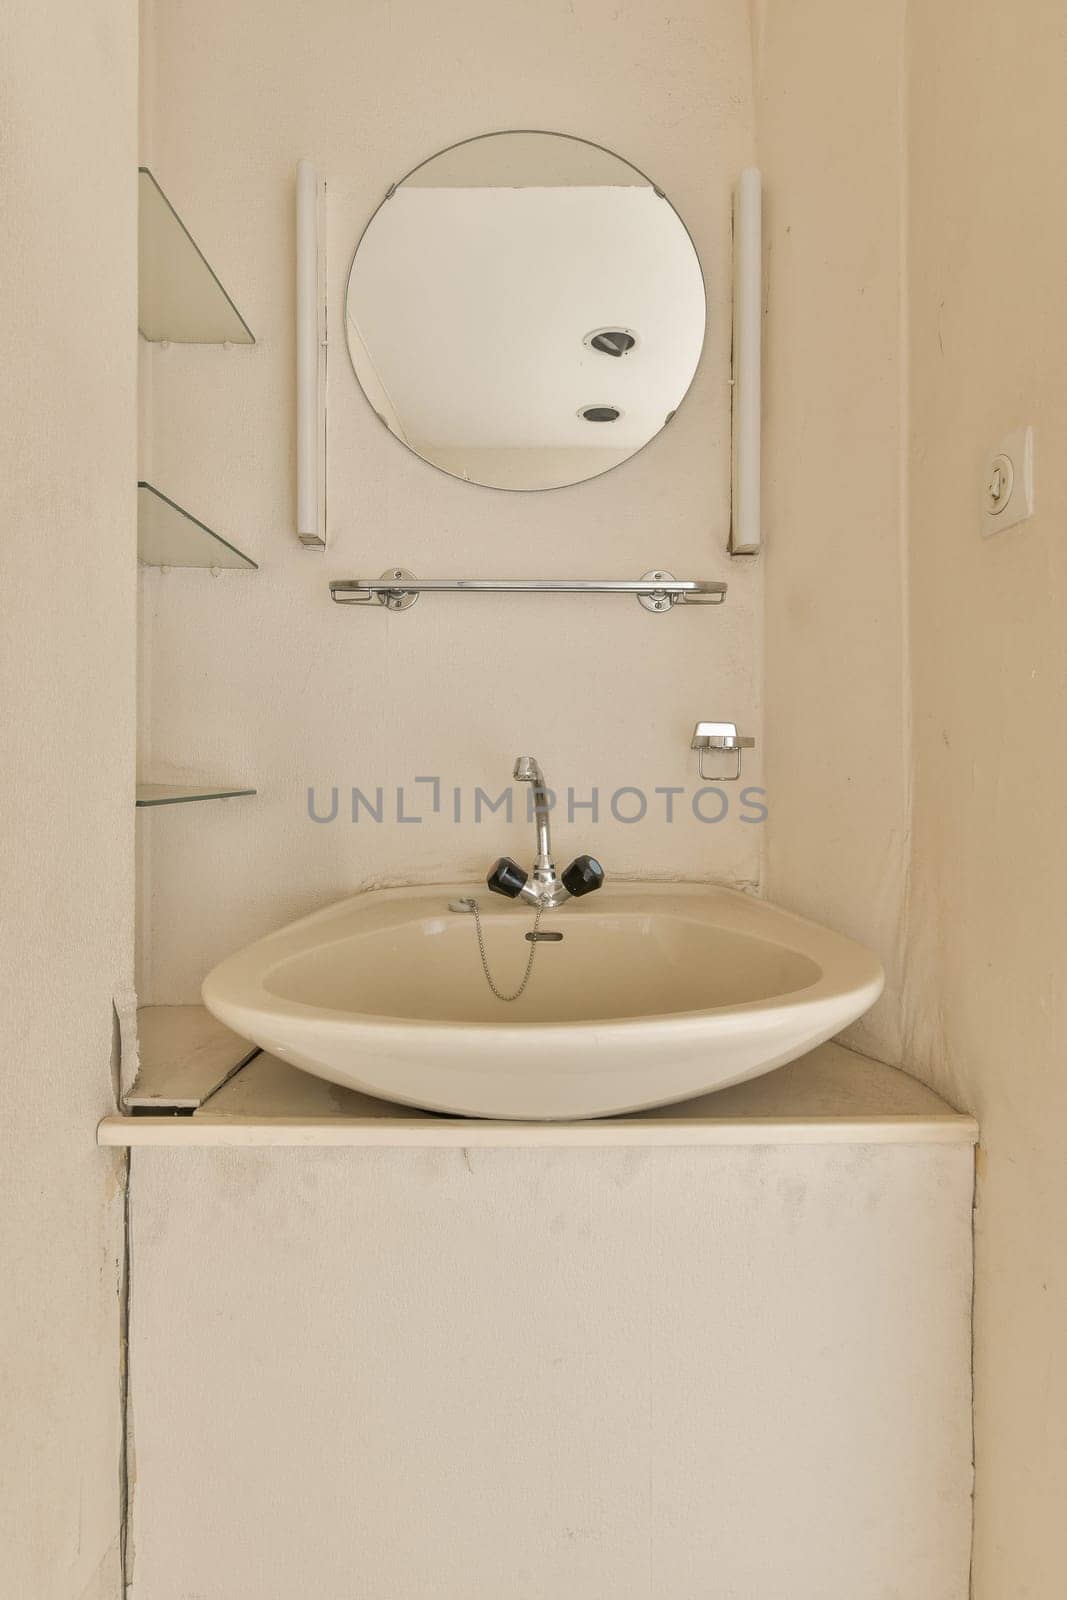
[[656, 992]]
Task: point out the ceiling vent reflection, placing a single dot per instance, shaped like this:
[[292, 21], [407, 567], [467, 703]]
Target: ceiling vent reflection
[[611, 341]]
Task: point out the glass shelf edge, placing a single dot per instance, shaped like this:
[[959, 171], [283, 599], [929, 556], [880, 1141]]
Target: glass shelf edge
[[170, 338], [186, 794], [248, 565]]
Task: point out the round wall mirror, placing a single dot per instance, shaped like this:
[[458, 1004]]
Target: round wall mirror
[[525, 310]]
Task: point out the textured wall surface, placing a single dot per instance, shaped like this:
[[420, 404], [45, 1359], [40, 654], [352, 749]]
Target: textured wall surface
[[261, 678], [987, 1014], [68, 319], [830, 126], [552, 1375]]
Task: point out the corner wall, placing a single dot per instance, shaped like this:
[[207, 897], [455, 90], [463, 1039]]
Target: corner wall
[[830, 129], [987, 988], [68, 318], [913, 158]]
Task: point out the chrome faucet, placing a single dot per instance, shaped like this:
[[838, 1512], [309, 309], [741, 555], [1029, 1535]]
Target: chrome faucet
[[543, 888]]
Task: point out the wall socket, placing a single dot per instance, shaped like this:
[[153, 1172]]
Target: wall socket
[[1008, 483]]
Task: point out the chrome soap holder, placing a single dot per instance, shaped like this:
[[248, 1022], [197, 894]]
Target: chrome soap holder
[[721, 736]]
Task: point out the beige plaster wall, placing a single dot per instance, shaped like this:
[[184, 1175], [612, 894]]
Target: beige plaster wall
[[915, 251], [260, 678], [68, 318], [987, 994], [830, 127], [899, 186]]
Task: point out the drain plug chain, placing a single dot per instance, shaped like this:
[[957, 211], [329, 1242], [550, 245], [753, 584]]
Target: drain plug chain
[[473, 904]]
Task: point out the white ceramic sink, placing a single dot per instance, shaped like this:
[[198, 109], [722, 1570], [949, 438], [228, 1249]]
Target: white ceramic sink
[[657, 992]]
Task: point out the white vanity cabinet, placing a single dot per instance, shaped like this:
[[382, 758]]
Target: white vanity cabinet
[[574, 1363]]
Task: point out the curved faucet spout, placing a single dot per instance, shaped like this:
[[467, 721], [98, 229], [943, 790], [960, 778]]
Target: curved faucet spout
[[528, 770], [544, 887]]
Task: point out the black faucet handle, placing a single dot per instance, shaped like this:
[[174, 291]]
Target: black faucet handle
[[507, 877], [582, 876]]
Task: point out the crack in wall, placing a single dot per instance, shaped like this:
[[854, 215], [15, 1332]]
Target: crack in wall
[[979, 1161], [126, 1475]]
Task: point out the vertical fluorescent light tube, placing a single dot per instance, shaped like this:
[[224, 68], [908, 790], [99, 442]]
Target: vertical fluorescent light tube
[[748, 332], [308, 349]]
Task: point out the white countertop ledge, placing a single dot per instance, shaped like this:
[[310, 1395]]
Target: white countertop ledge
[[832, 1096]]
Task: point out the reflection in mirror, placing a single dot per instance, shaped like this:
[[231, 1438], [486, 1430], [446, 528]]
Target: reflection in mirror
[[525, 310]]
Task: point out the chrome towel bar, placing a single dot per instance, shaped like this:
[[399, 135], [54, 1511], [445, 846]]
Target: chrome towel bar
[[398, 589]]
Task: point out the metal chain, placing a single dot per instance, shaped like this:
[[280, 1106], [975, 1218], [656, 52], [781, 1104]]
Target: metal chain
[[485, 959]]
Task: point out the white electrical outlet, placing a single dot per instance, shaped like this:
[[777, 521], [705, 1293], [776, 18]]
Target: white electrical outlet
[[1008, 483]]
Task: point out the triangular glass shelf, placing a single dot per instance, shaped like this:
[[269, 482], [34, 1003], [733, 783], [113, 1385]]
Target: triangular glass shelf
[[169, 536], [178, 296], [178, 794]]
